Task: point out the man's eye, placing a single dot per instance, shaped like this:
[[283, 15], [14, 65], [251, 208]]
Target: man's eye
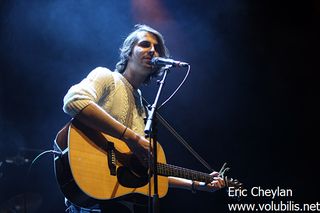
[[145, 44]]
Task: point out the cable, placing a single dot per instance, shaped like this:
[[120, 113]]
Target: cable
[[176, 90], [38, 156], [179, 138]]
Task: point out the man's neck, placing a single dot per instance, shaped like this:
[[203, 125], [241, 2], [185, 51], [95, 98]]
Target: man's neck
[[134, 78]]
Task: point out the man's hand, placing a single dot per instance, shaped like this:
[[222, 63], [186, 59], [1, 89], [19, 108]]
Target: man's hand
[[140, 148], [216, 184]]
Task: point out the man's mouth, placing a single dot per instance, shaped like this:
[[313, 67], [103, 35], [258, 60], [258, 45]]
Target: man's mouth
[[148, 60]]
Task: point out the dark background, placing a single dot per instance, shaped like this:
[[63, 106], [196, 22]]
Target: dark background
[[250, 99]]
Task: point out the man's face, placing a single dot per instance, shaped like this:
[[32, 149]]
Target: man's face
[[146, 47]]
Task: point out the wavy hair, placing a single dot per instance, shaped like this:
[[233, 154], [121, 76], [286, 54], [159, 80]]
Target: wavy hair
[[131, 41]]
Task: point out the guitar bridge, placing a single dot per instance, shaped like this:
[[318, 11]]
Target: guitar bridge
[[112, 159]]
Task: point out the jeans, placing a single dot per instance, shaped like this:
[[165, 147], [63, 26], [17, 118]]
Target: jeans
[[113, 206]]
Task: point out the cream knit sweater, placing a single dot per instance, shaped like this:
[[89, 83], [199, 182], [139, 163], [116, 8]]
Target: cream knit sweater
[[113, 93]]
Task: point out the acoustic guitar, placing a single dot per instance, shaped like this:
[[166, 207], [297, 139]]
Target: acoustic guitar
[[95, 167]]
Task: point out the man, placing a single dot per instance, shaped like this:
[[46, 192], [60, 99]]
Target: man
[[110, 102]]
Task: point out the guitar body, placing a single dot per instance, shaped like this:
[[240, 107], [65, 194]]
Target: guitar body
[[97, 167]]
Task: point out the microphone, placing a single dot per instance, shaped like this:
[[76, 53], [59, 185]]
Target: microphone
[[158, 61]]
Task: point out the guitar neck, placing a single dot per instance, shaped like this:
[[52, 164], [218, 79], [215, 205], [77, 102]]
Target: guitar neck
[[171, 170]]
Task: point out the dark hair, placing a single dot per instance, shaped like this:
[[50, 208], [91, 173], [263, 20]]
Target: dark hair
[[131, 41]]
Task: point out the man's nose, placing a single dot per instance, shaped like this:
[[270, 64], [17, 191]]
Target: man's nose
[[152, 50]]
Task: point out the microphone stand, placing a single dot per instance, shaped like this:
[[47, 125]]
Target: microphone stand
[[151, 131]]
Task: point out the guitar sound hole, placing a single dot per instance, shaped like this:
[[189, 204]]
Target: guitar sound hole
[[129, 179]]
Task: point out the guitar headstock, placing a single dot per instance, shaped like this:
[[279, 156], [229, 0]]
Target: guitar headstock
[[230, 182]]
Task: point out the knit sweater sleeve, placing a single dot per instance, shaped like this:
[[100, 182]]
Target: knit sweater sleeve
[[96, 85]]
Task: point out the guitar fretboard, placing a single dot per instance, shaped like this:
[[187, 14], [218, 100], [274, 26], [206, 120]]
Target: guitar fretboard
[[171, 170]]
